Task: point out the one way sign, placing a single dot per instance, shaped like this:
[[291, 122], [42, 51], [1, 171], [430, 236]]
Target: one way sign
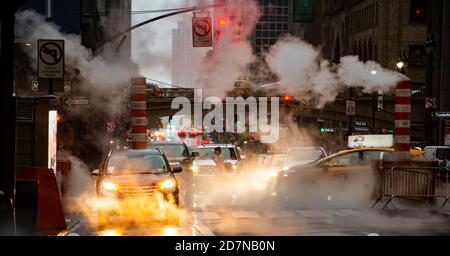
[[78, 101]]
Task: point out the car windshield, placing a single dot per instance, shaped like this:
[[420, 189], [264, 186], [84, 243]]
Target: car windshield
[[172, 150], [208, 153], [136, 164], [305, 154]]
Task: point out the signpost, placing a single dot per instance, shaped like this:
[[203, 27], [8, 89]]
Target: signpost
[[360, 126], [447, 133], [442, 115], [350, 108], [202, 30], [50, 61], [34, 86], [431, 103]]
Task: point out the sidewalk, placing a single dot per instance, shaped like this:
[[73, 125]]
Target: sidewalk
[[72, 222]]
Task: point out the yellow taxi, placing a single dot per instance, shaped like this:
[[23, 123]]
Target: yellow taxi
[[342, 170]]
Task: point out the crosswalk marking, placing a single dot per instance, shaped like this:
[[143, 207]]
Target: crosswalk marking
[[279, 214], [245, 215], [241, 214], [339, 213], [206, 215], [313, 213]]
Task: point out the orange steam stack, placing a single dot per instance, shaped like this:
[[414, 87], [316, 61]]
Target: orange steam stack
[[138, 113]]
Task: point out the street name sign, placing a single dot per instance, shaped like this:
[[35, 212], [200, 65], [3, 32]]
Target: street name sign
[[77, 101], [442, 114]]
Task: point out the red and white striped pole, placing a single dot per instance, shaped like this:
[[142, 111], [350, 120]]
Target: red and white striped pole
[[138, 113], [402, 136]]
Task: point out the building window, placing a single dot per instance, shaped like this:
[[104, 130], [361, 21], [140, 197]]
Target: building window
[[418, 11], [417, 55]]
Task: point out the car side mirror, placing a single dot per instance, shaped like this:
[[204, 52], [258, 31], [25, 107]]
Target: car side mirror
[[177, 169], [96, 172], [195, 154]]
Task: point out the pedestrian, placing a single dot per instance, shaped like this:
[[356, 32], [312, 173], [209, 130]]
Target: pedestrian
[[219, 160]]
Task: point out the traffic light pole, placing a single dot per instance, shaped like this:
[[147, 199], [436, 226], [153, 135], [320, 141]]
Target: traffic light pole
[[126, 31]]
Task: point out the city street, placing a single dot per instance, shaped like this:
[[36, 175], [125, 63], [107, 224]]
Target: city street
[[241, 221], [225, 118]]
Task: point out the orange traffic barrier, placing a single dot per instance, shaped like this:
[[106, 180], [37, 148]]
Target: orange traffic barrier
[[50, 217]]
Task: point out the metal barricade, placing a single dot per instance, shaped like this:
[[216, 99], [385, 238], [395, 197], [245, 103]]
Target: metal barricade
[[413, 183]]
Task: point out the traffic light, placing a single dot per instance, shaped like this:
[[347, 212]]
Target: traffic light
[[418, 10], [323, 130], [222, 21], [286, 99]]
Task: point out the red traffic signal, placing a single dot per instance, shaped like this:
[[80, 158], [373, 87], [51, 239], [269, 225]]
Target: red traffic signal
[[222, 21], [287, 98]]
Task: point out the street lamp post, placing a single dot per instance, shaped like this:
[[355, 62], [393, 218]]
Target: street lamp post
[[429, 125]]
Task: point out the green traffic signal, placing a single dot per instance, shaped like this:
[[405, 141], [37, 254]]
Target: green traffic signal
[[322, 130]]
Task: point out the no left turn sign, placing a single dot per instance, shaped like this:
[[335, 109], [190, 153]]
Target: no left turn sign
[[202, 27], [51, 59], [202, 31]]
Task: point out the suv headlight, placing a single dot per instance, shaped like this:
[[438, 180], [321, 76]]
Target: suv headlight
[[195, 169], [167, 185], [109, 186]]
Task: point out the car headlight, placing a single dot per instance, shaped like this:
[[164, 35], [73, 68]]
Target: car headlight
[[167, 185], [285, 168], [234, 167], [109, 186], [273, 174], [195, 169]]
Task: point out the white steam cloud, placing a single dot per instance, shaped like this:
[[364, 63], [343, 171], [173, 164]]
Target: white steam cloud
[[302, 69], [101, 76]]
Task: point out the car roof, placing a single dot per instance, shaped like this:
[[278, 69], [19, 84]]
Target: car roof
[[216, 145], [347, 151], [305, 148], [166, 143], [136, 152]]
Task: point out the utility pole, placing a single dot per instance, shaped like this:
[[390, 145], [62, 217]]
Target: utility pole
[[429, 124]]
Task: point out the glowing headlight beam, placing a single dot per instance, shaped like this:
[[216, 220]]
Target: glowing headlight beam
[[167, 184], [110, 186]]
